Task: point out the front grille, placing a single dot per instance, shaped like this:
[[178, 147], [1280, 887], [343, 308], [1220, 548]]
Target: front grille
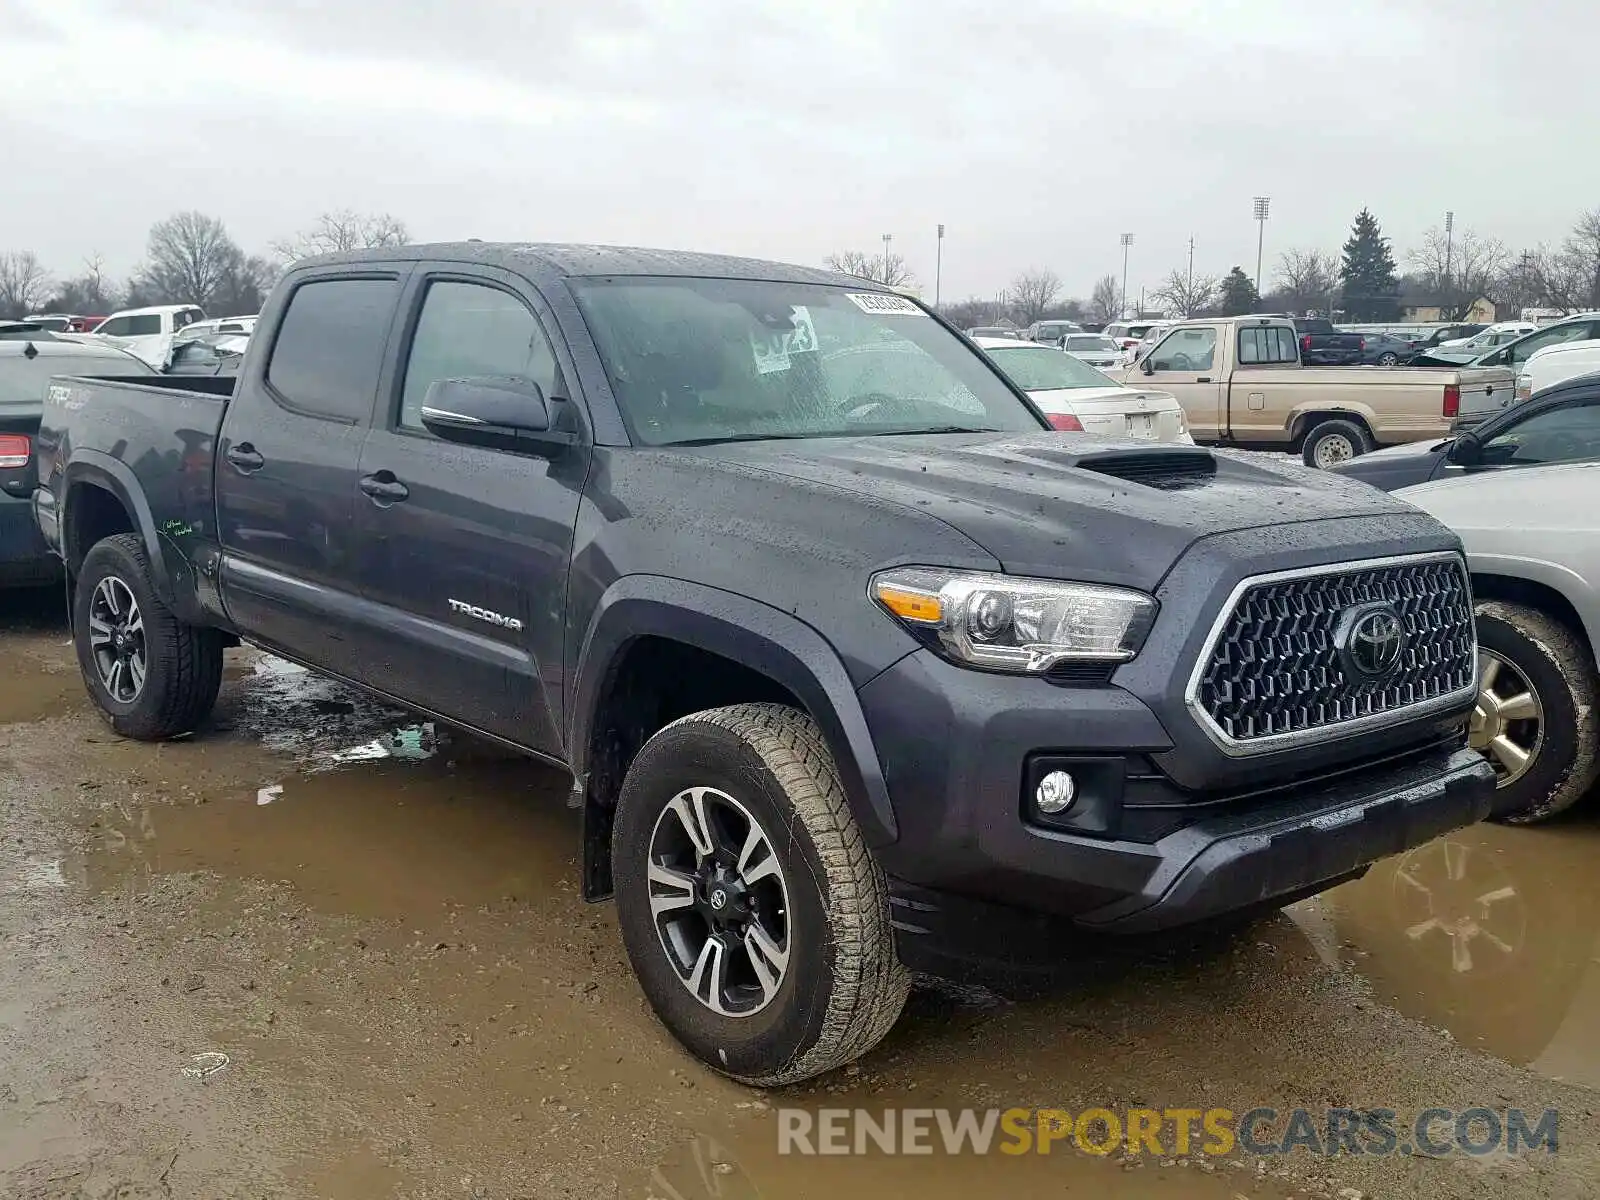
[[1273, 674]]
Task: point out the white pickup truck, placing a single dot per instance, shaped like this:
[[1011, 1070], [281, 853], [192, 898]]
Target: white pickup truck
[[1240, 382], [146, 332]]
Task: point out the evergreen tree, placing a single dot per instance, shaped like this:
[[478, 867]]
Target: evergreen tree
[[1238, 294], [1371, 291]]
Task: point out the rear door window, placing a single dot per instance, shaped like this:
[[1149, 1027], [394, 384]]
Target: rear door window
[[329, 350], [1261, 345]]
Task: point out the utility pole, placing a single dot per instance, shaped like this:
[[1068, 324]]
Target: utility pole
[[938, 266], [1449, 245], [1262, 203], [887, 238], [1527, 279], [1188, 298], [1127, 240]]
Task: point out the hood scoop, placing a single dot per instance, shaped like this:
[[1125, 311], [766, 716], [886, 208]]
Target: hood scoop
[[1166, 470]]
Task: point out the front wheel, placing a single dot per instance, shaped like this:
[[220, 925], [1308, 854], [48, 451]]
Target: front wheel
[[1334, 442], [752, 910], [152, 676], [1388, 359], [1534, 719]]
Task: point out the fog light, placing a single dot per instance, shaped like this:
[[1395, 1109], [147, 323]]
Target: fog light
[[1056, 793]]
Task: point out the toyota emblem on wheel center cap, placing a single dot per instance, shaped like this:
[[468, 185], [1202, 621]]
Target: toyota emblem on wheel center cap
[[1371, 639]]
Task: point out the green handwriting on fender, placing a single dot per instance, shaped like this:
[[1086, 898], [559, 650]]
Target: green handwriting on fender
[[178, 529]]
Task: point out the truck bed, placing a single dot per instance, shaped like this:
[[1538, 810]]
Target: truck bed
[[149, 440]]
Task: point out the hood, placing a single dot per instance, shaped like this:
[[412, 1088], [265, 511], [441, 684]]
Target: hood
[[1523, 501], [1403, 450], [1056, 507]]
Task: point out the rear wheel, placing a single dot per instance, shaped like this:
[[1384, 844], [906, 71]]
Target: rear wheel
[[752, 910], [152, 676], [1534, 720], [1333, 442]]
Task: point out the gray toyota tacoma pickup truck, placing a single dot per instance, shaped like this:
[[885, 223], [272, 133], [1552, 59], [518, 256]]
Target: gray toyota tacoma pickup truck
[[856, 667]]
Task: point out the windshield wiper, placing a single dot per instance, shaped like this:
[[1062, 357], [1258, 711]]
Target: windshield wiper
[[929, 429], [747, 437]]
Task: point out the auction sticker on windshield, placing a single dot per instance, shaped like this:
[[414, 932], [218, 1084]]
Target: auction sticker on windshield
[[883, 305], [773, 353]]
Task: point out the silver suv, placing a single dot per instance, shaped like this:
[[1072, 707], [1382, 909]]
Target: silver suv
[[1533, 546]]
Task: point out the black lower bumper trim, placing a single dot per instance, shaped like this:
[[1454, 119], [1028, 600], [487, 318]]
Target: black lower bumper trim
[[1239, 862]]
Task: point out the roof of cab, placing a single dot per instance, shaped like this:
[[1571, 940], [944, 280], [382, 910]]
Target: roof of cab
[[554, 261]]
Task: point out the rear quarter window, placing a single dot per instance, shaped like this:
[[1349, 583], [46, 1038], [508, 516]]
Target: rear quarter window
[[329, 349]]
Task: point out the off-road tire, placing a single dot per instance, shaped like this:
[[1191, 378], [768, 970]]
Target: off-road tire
[[845, 986], [183, 662], [1561, 670], [1352, 431]]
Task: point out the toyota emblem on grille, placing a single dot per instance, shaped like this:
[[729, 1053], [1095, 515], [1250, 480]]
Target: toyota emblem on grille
[[1371, 639]]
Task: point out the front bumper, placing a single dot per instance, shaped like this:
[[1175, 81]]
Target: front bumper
[[24, 556], [981, 885]]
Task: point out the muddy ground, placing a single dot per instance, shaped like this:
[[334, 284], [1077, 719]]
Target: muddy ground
[[379, 927]]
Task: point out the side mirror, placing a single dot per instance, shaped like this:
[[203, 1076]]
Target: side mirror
[[1147, 365], [502, 412], [1466, 450]]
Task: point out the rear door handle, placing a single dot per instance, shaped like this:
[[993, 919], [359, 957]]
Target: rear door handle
[[384, 488], [245, 458], [1204, 379]]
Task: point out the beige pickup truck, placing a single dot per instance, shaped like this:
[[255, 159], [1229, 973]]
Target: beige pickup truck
[[1240, 383]]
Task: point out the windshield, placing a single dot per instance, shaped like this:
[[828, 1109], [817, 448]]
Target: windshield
[[700, 360], [1094, 342], [1039, 369]]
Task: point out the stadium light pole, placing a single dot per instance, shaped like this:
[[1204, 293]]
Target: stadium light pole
[[1262, 204], [1127, 241]]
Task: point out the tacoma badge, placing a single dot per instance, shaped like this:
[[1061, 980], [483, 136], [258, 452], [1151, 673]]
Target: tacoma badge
[[483, 614]]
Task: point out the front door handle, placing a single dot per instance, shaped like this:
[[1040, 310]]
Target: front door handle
[[245, 458], [1204, 379], [384, 488]]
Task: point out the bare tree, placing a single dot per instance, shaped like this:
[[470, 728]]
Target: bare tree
[[24, 283], [89, 292], [189, 260], [1458, 269], [1186, 296], [98, 296], [336, 232], [890, 270], [1568, 277], [1032, 292], [1306, 280], [1105, 302]]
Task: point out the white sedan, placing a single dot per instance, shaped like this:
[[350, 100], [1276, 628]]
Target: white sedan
[[1074, 396], [1093, 348]]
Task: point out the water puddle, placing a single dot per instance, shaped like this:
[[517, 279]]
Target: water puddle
[[41, 681], [382, 837], [1491, 933]]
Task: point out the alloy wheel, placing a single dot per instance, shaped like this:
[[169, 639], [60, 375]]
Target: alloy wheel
[[720, 901], [117, 640], [1508, 721]]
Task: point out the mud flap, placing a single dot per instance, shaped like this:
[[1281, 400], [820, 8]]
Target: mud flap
[[597, 822]]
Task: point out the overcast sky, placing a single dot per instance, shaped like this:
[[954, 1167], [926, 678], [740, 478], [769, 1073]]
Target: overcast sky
[[1037, 132]]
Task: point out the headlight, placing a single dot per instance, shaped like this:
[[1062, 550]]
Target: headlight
[[1004, 623], [1524, 388]]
